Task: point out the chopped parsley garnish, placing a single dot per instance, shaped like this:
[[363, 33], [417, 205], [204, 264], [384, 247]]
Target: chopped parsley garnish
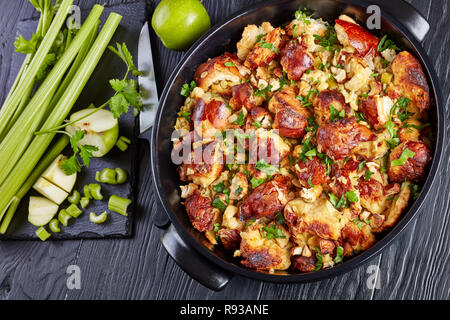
[[342, 202], [326, 160], [302, 16], [311, 153], [367, 175], [414, 188], [217, 203], [313, 126], [262, 92], [406, 154], [238, 190], [310, 182], [395, 140], [329, 41], [308, 150], [219, 187], [186, 115], [337, 203], [268, 45], [186, 89], [279, 219], [358, 223], [256, 182], [240, 119], [416, 126], [336, 115], [361, 165], [360, 117], [216, 227], [339, 254], [384, 162], [319, 258], [249, 222], [305, 100], [283, 80], [401, 104], [263, 166], [351, 196], [229, 64], [272, 232], [257, 124], [386, 43]]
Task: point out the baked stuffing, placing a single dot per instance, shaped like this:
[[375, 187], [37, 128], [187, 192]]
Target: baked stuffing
[[306, 143]]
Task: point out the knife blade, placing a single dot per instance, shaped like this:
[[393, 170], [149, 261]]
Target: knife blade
[[147, 82]]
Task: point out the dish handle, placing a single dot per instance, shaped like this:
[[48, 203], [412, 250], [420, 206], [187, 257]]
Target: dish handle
[[193, 263], [407, 15]]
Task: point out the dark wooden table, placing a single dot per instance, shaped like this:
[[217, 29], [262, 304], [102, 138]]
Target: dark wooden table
[[415, 266]]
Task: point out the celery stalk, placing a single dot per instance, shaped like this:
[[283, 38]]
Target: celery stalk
[[73, 69], [23, 129], [38, 145], [51, 155], [33, 67]]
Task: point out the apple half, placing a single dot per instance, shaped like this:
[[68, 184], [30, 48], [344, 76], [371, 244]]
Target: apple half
[[58, 177], [101, 129], [41, 210], [50, 191]]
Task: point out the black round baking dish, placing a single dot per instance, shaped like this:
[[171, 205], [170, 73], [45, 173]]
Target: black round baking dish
[[214, 267]]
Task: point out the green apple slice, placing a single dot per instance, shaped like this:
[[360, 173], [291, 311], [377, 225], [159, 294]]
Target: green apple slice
[[58, 177], [41, 211], [100, 129], [50, 191]]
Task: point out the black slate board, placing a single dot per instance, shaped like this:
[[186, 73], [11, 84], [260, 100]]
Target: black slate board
[[96, 91]]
